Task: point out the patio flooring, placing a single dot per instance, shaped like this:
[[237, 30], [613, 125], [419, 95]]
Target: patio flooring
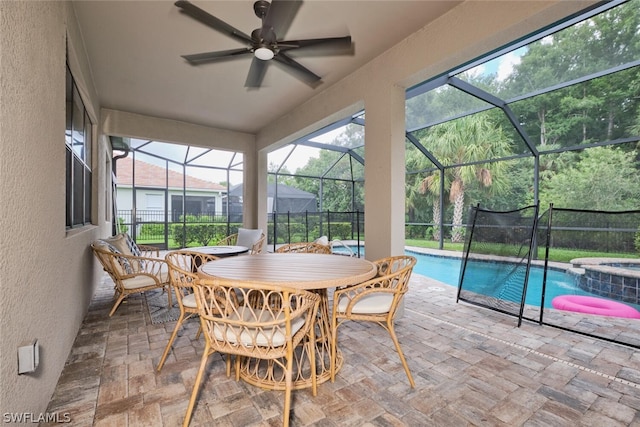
[[472, 367]]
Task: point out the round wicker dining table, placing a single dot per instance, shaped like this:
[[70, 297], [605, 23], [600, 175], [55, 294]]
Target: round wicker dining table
[[315, 272]]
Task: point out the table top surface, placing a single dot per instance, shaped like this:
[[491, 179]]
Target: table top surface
[[220, 250], [297, 270]]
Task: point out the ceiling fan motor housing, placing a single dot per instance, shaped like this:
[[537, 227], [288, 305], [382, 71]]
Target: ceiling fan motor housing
[[261, 7]]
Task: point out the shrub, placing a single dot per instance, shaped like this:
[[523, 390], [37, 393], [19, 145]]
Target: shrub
[[151, 231], [123, 228]]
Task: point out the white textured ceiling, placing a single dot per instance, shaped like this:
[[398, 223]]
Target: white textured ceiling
[[134, 50]]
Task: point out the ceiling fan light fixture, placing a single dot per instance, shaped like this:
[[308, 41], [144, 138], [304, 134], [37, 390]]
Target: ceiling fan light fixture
[[263, 53]]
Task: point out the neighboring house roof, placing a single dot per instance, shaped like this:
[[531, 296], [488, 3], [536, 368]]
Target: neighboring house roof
[[284, 191], [149, 175]]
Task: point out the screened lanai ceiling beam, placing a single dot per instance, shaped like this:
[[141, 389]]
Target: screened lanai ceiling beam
[[527, 95], [333, 165], [356, 156], [427, 87], [357, 121], [581, 147], [157, 156], [494, 100], [338, 148], [450, 118], [569, 21], [286, 159], [424, 151], [326, 129], [323, 146], [306, 140], [197, 157], [233, 159], [297, 175], [576, 81]]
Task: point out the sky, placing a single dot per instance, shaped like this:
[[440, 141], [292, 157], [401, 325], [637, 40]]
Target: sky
[[501, 67]]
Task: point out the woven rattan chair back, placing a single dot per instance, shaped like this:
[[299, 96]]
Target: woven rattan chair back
[[183, 266], [376, 300], [305, 247], [256, 248], [131, 274], [234, 324]]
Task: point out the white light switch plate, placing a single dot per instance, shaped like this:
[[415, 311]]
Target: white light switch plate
[[28, 358]]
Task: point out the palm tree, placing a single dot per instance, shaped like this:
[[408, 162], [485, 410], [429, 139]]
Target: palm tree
[[423, 190], [461, 144], [431, 185]]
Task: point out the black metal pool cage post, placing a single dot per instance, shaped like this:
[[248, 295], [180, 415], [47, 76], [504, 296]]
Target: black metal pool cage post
[[532, 245], [463, 267], [546, 262]]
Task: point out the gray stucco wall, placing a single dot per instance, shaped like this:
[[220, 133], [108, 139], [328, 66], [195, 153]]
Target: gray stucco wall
[[47, 275]]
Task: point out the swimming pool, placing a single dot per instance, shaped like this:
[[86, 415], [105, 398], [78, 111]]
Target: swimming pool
[[446, 269]]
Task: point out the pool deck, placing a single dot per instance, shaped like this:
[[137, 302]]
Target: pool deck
[[472, 367]]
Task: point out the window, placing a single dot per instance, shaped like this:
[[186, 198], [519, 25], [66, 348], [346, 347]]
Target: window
[[78, 135], [155, 202]]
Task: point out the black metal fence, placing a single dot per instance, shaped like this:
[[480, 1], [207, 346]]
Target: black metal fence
[[155, 228], [307, 226], [152, 227], [603, 279], [498, 282]]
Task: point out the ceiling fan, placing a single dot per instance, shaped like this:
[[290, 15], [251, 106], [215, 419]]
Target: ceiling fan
[[266, 43]]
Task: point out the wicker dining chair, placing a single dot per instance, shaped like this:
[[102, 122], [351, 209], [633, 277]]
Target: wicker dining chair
[[271, 330], [130, 273], [376, 300], [305, 247], [183, 266], [253, 239]]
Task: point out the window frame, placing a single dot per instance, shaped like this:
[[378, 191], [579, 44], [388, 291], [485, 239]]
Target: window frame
[[78, 149]]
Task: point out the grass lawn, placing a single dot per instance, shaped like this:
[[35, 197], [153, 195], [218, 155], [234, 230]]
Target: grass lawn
[[555, 254]]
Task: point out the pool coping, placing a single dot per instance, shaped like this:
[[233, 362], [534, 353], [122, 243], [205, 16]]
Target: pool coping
[[601, 265]]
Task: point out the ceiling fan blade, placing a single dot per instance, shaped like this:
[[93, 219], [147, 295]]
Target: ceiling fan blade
[[302, 72], [198, 58], [213, 22], [278, 19], [256, 73], [339, 44]]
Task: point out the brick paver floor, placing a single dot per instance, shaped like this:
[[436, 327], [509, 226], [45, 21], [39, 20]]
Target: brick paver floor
[[472, 367]]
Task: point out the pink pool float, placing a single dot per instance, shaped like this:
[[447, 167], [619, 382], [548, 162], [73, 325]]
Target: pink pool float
[[594, 305]]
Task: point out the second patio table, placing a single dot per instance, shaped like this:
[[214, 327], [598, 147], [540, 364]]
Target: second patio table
[[317, 272]]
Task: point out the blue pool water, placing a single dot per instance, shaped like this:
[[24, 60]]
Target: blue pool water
[[447, 270]]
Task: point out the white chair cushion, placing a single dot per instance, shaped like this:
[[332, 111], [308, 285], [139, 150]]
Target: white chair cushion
[[189, 301], [322, 240], [375, 303], [266, 337], [120, 242], [142, 281], [247, 237]]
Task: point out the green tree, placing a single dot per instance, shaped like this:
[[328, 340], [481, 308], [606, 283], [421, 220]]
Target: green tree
[[422, 190], [600, 109], [464, 143], [284, 176], [332, 174], [605, 178]]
